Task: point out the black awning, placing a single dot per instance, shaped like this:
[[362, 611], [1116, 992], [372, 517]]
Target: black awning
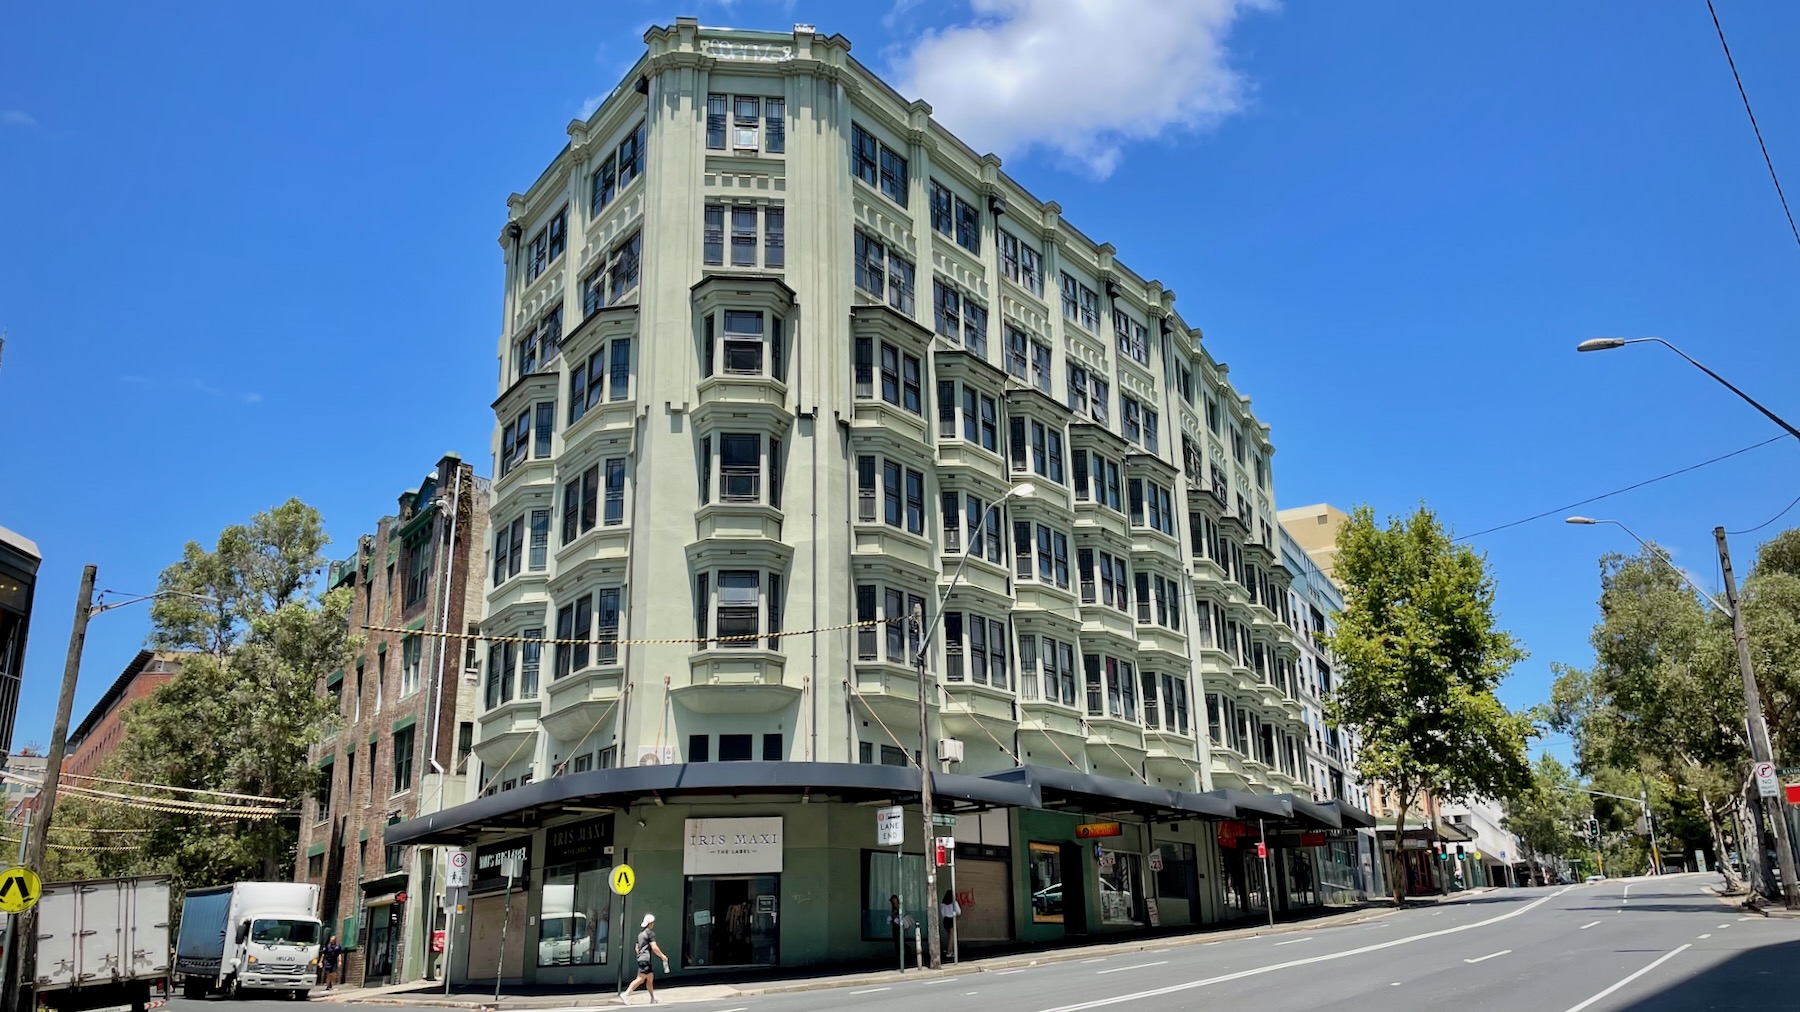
[[1100, 795], [1352, 816], [1247, 805], [385, 886], [529, 806], [1312, 815]]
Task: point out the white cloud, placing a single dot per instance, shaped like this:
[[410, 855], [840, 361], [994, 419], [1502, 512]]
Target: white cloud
[[16, 117], [1081, 78]]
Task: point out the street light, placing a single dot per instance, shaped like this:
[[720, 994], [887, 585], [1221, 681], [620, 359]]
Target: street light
[[1609, 343], [1590, 521], [1760, 750], [934, 947]]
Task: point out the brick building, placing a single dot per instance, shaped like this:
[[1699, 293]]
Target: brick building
[[100, 732], [406, 702]]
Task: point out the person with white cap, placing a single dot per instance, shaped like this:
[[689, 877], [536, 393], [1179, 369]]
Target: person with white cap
[[646, 948]]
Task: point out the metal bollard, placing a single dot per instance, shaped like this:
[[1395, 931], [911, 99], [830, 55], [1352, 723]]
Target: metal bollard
[[918, 947]]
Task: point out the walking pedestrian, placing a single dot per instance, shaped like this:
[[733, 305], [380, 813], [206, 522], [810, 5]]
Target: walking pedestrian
[[329, 957], [646, 948], [950, 911], [897, 918]]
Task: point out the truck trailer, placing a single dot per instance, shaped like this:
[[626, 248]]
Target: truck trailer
[[103, 943]]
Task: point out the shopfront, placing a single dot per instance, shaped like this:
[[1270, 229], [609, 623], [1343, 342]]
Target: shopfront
[[495, 912], [576, 909], [731, 913], [980, 874]]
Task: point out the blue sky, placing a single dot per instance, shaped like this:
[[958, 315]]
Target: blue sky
[[250, 253]]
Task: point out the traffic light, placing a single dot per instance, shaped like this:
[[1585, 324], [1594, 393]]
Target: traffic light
[[1459, 852], [1594, 827]]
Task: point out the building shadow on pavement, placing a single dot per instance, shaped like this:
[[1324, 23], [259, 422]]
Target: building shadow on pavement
[[1760, 979]]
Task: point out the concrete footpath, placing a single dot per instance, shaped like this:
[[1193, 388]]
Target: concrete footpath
[[420, 994]]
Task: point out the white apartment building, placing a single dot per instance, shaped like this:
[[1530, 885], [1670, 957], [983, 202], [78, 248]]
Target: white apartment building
[[783, 364]]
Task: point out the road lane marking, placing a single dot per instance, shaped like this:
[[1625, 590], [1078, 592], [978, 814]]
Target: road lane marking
[[943, 980], [1004, 973], [872, 990], [1707, 935], [1588, 925], [1097, 959], [1491, 955], [1291, 941], [1660, 960], [1327, 957], [1140, 966], [1724, 926]]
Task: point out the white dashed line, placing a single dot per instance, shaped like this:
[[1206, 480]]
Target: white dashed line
[[1004, 973], [1660, 960], [943, 980], [1588, 925], [1707, 935], [1291, 941], [1722, 927], [1491, 955], [872, 990], [1139, 966], [1098, 959]]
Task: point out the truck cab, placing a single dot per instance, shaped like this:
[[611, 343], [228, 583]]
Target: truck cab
[[278, 952]]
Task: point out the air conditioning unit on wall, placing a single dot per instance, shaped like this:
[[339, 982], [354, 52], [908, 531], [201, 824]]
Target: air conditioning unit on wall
[[950, 750]]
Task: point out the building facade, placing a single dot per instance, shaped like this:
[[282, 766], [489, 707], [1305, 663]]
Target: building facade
[[19, 561], [1488, 858], [1315, 529], [1350, 864], [406, 725], [748, 490], [100, 733], [23, 778]]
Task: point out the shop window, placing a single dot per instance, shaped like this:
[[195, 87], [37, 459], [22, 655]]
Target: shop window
[[731, 921], [1121, 887], [1046, 883], [885, 877], [573, 926], [734, 748]]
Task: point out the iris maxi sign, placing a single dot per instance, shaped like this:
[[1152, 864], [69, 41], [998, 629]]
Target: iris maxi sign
[[732, 847]]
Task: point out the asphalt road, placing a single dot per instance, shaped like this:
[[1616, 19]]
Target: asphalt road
[[1640, 944], [1644, 945]]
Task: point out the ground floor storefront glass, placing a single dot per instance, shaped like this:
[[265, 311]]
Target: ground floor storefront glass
[[731, 921], [1121, 879], [1299, 883], [574, 921], [1176, 874], [1246, 885]]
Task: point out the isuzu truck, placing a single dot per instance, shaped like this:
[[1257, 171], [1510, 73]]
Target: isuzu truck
[[252, 936]]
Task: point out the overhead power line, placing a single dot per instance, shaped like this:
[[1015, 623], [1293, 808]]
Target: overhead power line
[[1629, 488], [1752, 114], [1765, 523]]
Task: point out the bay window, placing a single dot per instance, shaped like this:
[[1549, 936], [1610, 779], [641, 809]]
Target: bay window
[[1040, 553], [902, 375], [975, 649], [606, 376]]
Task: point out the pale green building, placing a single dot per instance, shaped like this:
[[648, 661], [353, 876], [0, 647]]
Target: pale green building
[[774, 346]]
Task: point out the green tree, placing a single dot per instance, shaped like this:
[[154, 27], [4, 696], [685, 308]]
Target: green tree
[[244, 709], [1546, 813], [1420, 656], [1660, 701]]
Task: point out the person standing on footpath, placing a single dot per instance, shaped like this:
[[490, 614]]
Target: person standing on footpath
[[646, 948], [950, 911], [329, 957]]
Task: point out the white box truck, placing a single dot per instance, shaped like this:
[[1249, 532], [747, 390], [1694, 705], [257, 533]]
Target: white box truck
[[251, 936], [103, 943]]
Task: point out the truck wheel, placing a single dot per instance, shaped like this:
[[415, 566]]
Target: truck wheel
[[193, 989]]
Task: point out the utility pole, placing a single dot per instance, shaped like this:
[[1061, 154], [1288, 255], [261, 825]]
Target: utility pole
[[1650, 822], [933, 940], [1759, 728], [22, 955]]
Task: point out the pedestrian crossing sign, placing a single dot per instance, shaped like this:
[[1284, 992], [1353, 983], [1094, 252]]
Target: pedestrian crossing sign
[[19, 889]]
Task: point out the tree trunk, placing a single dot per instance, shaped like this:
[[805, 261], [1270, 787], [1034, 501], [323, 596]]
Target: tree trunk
[[1397, 866], [1715, 823]]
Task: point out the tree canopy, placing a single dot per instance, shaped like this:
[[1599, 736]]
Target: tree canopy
[[1419, 657], [242, 712]]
